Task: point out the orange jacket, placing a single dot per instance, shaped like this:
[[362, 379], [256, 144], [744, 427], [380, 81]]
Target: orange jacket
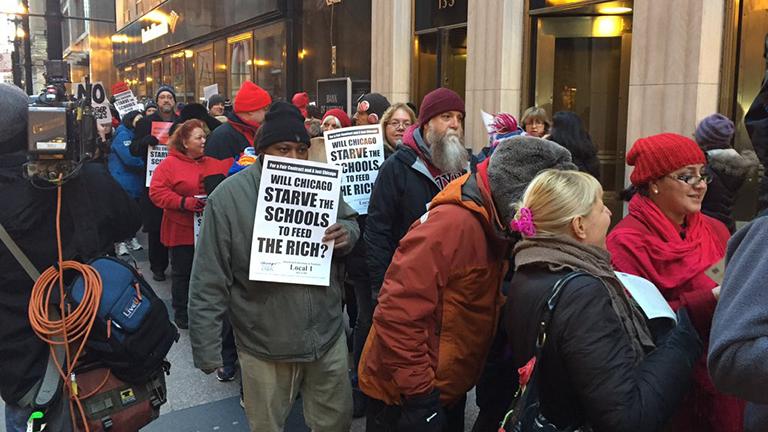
[[440, 301]]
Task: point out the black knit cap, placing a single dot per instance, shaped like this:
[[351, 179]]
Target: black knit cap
[[283, 122]]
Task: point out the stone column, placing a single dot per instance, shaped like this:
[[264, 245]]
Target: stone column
[[391, 36], [675, 65], [494, 63]]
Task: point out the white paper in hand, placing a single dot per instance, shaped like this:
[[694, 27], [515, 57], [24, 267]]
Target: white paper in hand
[[647, 296]]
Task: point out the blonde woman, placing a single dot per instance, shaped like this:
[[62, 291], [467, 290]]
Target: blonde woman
[[396, 119], [536, 122], [599, 366]]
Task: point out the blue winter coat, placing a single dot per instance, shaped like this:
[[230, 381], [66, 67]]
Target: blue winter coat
[[128, 170]]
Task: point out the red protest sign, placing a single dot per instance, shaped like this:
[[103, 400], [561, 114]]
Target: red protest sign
[[161, 130]]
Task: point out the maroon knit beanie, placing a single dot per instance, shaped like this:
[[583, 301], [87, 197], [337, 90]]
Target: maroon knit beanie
[[658, 155], [437, 102], [250, 98]]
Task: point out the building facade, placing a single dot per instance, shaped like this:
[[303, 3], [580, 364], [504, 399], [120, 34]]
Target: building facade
[[285, 46], [87, 44], [627, 68]]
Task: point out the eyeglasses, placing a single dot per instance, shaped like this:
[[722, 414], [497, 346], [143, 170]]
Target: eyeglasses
[[692, 180], [399, 124]]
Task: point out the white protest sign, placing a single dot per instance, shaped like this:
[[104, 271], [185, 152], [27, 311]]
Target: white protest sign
[[647, 296], [99, 102], [198, 219], [359, 151], [156, 154], [298, 201], [126, 102], [209, 91]]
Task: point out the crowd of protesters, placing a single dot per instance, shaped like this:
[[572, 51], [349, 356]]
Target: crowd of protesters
[[452, 278]]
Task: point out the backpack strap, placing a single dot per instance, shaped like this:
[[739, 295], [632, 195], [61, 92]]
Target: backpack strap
[[45, 390]]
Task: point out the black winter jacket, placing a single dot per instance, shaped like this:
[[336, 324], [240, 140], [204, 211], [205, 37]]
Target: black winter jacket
[[96, 212], [402, 191], [756, 122], [225, 142], [587, 372], [151, 215]]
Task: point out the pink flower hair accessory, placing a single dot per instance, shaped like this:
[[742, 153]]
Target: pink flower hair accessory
[[524, 223]]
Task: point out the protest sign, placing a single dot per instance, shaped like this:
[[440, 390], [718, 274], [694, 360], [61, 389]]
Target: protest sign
[[209, 91], [198, 218], [298, 201], [359, 151], [126, 102], [99, 102], [156, 154]]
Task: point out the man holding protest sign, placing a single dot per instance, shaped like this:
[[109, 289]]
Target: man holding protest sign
[[290, 335], [143, 140]]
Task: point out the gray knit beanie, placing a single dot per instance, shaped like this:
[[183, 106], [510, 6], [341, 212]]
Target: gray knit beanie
[[714, 132], [515, 162], [13, 119]]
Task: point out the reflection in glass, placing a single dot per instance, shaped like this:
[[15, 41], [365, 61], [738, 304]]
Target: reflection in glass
[[203, 72], [177, 66], [269, 60], [240, 62]]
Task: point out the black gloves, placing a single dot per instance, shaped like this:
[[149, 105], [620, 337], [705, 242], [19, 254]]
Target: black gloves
[[422, 414], [685, 336]]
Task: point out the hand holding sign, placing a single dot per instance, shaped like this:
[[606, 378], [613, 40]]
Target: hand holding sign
[[337, 234]]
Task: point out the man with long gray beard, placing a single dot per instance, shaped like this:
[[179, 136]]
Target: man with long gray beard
[[432, 155]]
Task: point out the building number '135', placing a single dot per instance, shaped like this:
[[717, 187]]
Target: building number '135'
[[444, 4]]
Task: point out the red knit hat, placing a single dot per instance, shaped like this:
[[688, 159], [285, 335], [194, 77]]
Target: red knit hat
[[251, 97], [339, 114], [658, 155], [437, 102], [300, 101]]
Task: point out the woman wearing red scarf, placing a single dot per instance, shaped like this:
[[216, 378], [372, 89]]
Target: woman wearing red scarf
[[666, 239]]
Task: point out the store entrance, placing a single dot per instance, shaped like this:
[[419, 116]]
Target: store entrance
[[441, 60], [582, 65]]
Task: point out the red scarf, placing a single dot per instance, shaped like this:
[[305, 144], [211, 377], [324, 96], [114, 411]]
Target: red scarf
[[666, 259], [247, 129]]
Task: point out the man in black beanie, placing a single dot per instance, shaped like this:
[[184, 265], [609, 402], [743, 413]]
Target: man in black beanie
[[95, 213], [151, 215], [290, 337]]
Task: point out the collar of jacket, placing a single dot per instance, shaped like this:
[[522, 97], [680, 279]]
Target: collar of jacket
[[245, 129], [471, 191], [179, 155]]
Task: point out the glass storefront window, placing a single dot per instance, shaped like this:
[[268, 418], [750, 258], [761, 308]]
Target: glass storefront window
[[157, 77], [269, 59], [240, 61], [204, 74], [142, 77], [177, 77], [167, 73]]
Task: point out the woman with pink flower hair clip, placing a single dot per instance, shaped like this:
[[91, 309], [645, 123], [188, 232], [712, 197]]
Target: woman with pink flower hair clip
[[587, 357]]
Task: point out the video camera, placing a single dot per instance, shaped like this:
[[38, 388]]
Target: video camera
[[62, 134]]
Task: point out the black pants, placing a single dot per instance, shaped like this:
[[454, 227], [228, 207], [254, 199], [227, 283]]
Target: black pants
[[181, 268], [380, 417], [158, 253], [228, 349]]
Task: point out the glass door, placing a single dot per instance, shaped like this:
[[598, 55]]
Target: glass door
[[203, 72], [582, 65], [440, 61]]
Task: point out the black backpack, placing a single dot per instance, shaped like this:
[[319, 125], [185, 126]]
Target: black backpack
[[132, 332]]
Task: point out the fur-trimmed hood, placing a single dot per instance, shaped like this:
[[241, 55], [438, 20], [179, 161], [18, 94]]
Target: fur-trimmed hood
[[732, 163]]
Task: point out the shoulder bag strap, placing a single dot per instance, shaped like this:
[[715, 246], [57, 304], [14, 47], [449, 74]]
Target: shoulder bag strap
[[43, 392], [528, 399], [17, 253]]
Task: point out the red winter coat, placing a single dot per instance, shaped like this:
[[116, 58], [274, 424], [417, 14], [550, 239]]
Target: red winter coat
[[647, 244], [176, 177]]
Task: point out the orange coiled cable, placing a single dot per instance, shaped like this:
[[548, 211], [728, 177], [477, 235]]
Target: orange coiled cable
[[74, 326]]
